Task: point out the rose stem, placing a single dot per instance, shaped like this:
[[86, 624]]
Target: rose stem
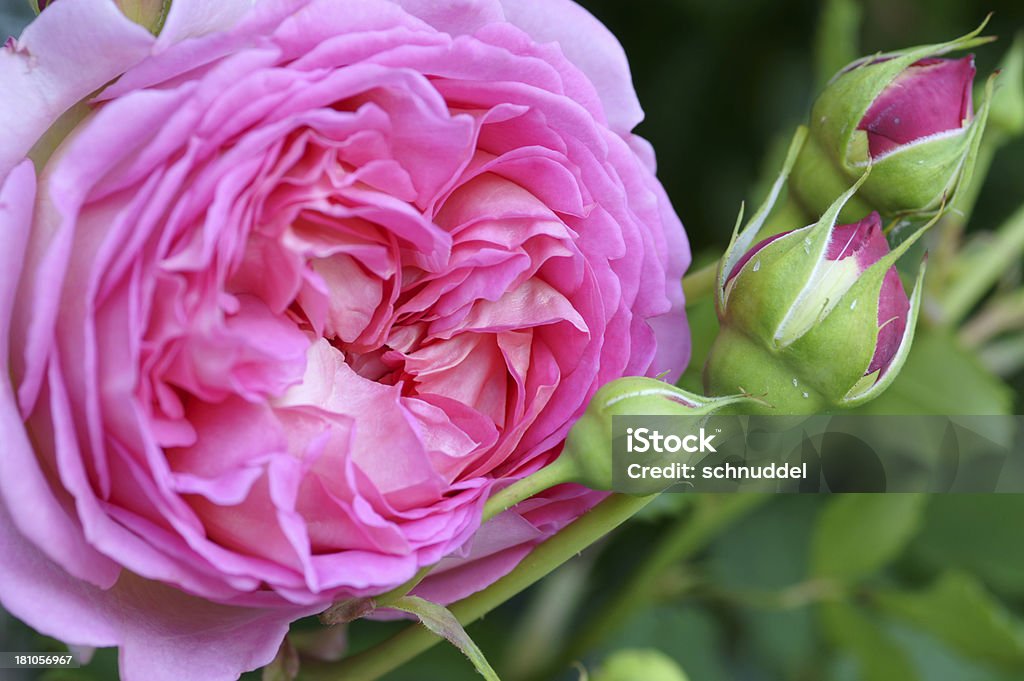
[[559, 471], [410, 642]]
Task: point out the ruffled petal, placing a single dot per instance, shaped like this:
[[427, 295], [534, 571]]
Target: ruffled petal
[[69, 51], [590, 46]]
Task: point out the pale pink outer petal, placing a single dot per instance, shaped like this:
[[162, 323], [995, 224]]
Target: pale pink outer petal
[[672, 328], [164, 634], [17, 195], [35, 510], [590, 46], [455, 17], [37, 591], [193, 638], [194, 18], [71, 607], [501, 543], [68, 52]]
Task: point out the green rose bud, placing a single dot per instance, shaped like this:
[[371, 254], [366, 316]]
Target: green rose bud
[[814, 318], [588, 449], [640, 665], [908, 115], [586, 458]]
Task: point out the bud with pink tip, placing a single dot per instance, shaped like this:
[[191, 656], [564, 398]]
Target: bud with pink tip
[[907, 114]]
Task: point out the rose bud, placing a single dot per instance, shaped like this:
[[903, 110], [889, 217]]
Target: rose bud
[[587, 452], [649, 664], [586, 458], [909, 115], [813, 318]]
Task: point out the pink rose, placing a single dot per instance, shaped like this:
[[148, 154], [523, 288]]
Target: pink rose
[[293, 292]]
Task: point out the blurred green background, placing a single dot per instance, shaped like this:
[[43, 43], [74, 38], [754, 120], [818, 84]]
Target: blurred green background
[[800, 588], [721, 81]]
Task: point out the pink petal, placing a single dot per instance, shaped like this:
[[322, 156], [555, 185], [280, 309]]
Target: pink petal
[[930, 97], [866, 242], [195, 18], [893, 308], [35, 509], [164, 633], [39, 592], [590, 46], [455, 17], [751, 253], [863, 240], [69, 51], [17, 197], [501, 543]]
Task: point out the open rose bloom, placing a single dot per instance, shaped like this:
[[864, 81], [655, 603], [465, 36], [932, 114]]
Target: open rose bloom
[[288, 291]]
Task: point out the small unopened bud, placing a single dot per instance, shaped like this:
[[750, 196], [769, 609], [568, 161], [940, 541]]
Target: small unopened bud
[[588, 449], [586, 457], [646, 664], [907, 114], [814, 318]]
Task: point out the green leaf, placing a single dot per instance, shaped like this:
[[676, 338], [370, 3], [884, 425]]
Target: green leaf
[[442, 622], [958, 610], [977, 270], [782, 641], [877, 655], [935, 661], [779, 533], [859, 533], [979, 534]]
